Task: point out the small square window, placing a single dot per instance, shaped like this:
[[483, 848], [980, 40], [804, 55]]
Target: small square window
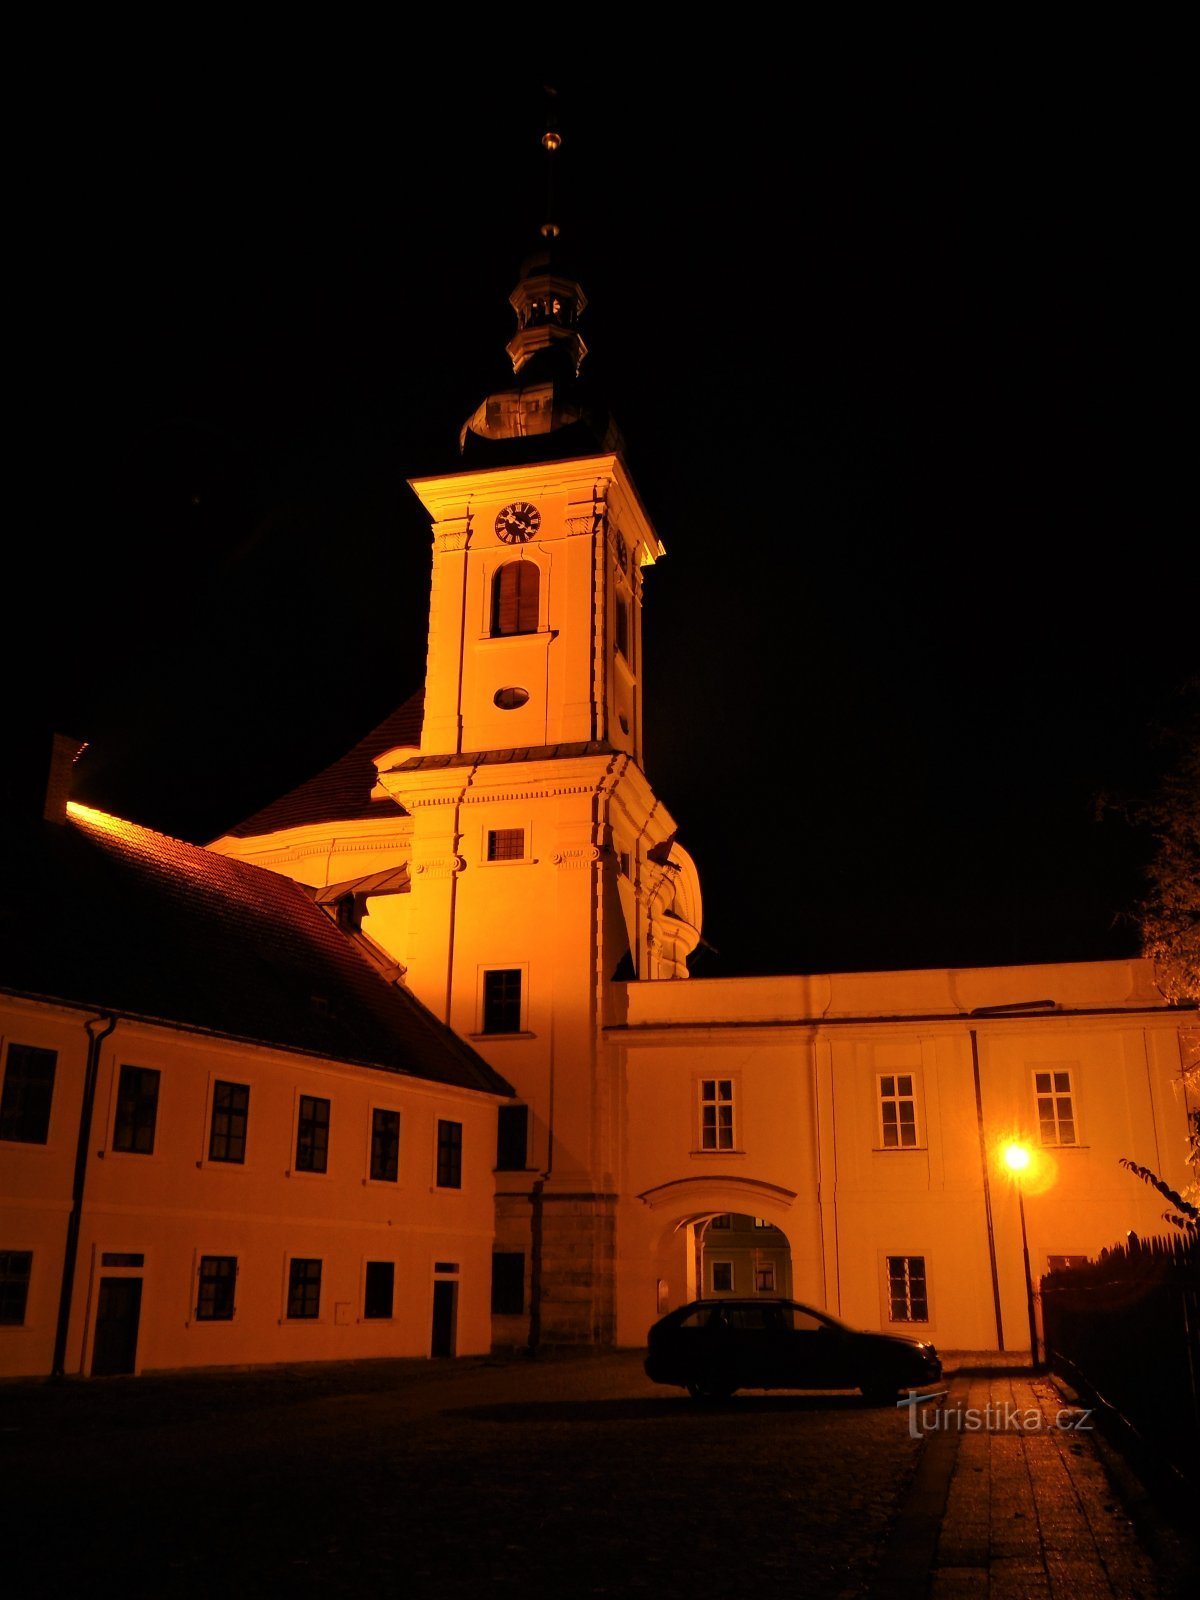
[[28, 1091], [506, 844], [15, 1269], [230, 1113], [908, 1294], [312, 1135], [380, 1290], [137, 1110], [502, 1000], [214, 1295], [449, 1155], [385, 1146], [304, 1289]]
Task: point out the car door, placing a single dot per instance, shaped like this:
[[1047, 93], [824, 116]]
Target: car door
[[815, 1351]]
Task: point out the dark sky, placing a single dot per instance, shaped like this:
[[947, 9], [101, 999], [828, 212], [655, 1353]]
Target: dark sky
[[895, 350]]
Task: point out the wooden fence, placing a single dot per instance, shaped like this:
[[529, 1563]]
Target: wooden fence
[[1125, 1331]]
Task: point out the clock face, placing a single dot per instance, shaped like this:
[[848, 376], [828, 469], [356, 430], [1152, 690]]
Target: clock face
[[518, 522]]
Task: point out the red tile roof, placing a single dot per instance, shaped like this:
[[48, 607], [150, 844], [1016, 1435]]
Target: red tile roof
[[342, 791], [103, 913]]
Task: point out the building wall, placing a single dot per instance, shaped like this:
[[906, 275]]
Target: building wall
[[174, 1205], [806, 1057]]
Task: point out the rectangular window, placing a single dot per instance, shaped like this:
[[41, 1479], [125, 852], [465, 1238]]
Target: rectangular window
[[908, 1295], [214, 1296], [722, 1277], [15, 1267], [449, 1155], [28, 1091], [723, 1221], [304, 1289], [764, 1278], [508, 1283], [761, 1222], [506, 844], [137, 1110], [385, 1147], [512, 1138], [1055, 1106], [898, 1111], [716, 1114], [231, 1110], [380, 1290], [502, 1000], [312, 1135]]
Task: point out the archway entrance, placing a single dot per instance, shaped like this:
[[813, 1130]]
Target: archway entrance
[[742, 1255]]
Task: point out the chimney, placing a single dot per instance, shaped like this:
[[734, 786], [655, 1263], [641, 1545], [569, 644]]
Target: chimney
[[64, 753]]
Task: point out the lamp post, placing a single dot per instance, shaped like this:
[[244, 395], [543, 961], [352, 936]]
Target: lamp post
[[1017, 1158]]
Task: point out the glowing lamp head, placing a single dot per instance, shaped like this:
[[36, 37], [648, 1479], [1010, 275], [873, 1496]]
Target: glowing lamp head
[[1016, 1157]]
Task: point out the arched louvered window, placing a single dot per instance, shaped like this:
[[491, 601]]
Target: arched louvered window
[[515, 598]]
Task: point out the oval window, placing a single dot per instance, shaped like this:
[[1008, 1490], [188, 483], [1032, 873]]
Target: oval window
[[510, 699]]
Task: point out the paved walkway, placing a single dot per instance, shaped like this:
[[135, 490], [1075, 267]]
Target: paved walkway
[[1013, 1498]]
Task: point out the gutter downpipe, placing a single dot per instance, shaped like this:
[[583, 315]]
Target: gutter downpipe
[[105, 1023], [987, 1189]]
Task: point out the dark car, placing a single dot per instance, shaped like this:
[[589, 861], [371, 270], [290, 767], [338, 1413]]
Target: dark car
[[713, 1347]]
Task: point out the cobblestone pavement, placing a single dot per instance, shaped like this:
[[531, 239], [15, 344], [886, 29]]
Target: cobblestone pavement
[[1028, 1508], [566, 1477]]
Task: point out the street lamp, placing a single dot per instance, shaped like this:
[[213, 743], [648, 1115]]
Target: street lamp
[[1017, 1158]]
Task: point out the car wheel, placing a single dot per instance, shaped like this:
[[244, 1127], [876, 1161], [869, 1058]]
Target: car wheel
[[880, 1394]]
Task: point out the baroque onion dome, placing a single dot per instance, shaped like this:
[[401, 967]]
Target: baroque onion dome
[[547, 352]]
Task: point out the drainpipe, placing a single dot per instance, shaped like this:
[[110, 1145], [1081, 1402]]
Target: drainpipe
[[987, 1189], [98, 1029]]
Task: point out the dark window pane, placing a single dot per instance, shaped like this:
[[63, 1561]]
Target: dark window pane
[[508, 1283], [449, 1155], [506, 844], [385, 1146], [28, 1091], [15, 1267], [214, 1299], [502, 1001], [312, 1135], [512, 1137], [231, 1110], [304, 1288], [137, 1110], [380, 1291]]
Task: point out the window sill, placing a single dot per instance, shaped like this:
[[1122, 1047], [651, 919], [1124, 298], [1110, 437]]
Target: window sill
[[716, 1154], [511, 861], [899, 1149], [522, 1033], [303, 1172]]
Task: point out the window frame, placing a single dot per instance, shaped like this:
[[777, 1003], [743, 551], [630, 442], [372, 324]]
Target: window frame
[[1053, 1070], [297, 1166], [889, 1300], [723, 1263], [21, 1098], [137, 1124], [291, 1286], [521, 604], [213, 1112], [10, 1283], [898, 1099], [453, 1149], [492, 855], [378, 1316], [718, 1146], [521, 971], [199, 1299], [376, 1112]]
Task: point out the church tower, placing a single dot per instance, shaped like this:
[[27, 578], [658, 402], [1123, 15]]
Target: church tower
[[542, 866]]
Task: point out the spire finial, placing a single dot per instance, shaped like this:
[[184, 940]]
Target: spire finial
[[551, 142]]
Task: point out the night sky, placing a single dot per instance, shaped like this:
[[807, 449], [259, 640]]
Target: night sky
[[896, 364]]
